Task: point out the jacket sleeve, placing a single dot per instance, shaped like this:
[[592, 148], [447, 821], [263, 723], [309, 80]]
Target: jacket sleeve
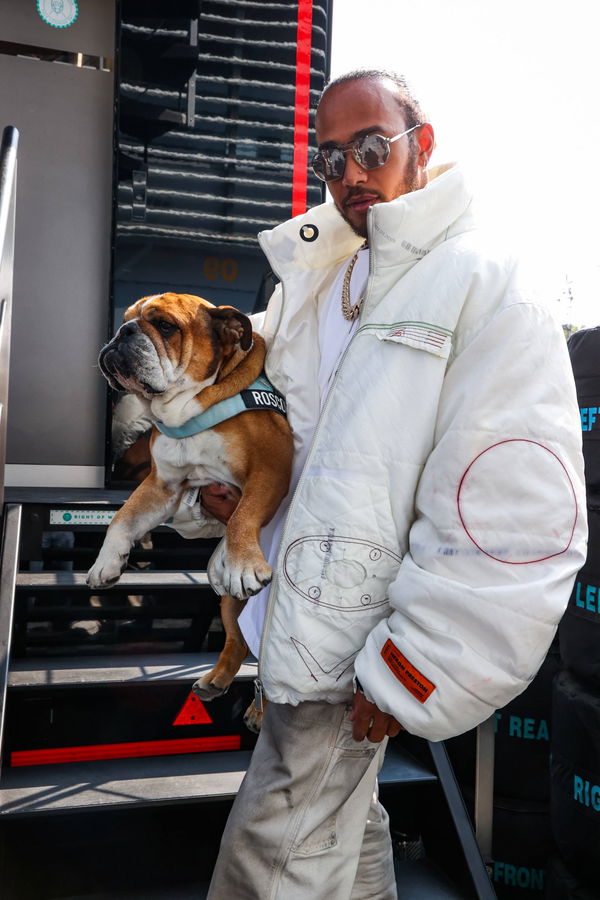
[[498, 536], [130, 419]]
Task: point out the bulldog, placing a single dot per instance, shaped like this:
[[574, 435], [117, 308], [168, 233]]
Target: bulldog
[[192, 362]]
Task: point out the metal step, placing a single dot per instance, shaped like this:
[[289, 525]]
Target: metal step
[[118, 669], [150, 581], [41, 496], [189, 778], [67, 710], [421, 879], [137, 781], [415, 879]]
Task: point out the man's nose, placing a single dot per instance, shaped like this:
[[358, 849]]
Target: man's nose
[[353, 173]]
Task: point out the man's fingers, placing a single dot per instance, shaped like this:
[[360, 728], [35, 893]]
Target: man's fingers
[[379, 728], [370, 722], [220, 500], [394, 728], [216, 489], [362, 719]]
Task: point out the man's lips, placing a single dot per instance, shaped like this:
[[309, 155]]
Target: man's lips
[[361, 203]]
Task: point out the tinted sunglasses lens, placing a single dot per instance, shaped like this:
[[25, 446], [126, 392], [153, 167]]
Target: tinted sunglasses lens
[[328, 165], [373, 151], [319, 166]]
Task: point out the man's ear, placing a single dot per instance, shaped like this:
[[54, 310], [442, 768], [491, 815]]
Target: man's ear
[[231, 326], [426, 144]]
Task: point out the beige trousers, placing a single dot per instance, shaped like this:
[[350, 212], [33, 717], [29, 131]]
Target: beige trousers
[[307, 823]]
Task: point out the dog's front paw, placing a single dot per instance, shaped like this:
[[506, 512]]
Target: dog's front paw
[[241, 577], [106, 571], [208, 687]]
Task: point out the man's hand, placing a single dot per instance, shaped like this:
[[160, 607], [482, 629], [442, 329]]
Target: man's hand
[[220, 500], [370, 721]]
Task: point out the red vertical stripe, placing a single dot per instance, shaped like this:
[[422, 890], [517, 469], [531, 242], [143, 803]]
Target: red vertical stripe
[[302, 105]]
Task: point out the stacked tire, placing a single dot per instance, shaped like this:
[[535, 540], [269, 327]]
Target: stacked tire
[[579, 630], [522, 842], [563, 885], [575, 772], [575, 767]]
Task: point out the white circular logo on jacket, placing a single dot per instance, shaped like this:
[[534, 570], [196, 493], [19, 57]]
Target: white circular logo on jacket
[[58, 13]]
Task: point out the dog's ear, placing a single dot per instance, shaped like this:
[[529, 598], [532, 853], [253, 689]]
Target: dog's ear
[[232, 326]]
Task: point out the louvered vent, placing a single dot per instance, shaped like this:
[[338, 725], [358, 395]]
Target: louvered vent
[[205, 141]]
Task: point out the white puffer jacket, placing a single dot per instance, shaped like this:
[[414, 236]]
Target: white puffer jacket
[[439, 520]]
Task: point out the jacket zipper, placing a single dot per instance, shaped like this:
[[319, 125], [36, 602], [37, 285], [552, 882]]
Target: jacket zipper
[[259, 694]]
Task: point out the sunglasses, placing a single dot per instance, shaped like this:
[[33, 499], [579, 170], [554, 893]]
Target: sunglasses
[[370, 152]]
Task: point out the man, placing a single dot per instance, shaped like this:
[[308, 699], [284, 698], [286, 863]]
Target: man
[[436, 518]]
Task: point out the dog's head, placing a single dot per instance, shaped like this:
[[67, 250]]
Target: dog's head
[[173, 339]]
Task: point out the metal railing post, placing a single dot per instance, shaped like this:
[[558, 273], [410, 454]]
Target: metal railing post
[[11, 530], [8, 577], [477, 868], [8, 181], [484, 787]]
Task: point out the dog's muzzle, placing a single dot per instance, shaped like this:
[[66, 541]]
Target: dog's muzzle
[[130, 362]]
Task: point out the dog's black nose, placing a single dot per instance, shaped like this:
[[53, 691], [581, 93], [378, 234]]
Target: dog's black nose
[[128, 328]]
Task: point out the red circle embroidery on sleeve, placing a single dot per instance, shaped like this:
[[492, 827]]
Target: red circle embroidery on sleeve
[[471, 527]]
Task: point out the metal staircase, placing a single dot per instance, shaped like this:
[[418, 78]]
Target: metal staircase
[[105, 751]]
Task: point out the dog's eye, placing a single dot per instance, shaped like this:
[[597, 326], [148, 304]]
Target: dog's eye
[[166, 328]]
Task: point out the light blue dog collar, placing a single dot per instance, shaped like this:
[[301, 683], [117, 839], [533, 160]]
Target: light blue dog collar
[[259, 395]]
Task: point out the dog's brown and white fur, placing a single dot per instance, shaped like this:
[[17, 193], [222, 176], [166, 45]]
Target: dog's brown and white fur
[[182, 355]]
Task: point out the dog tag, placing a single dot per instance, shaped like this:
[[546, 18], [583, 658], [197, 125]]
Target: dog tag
[[190, 496]]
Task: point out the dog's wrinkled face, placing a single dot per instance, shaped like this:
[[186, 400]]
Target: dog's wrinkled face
[[172, 339]]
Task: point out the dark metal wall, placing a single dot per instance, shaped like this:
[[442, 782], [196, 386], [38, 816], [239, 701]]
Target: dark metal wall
[[207, 102]]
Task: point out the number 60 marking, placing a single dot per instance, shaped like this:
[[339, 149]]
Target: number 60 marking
[[217, 267]]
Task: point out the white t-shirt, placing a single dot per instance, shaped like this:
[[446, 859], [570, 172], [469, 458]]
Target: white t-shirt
[[335, 333], [334, 330]]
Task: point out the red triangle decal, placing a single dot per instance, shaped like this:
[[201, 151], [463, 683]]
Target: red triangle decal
[[193, 712]]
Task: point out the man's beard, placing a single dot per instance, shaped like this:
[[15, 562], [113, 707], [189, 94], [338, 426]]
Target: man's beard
[[360, 230], [409, 183]]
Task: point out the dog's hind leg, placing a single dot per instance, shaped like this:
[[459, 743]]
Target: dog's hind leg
[[235, 651], [253, 717]]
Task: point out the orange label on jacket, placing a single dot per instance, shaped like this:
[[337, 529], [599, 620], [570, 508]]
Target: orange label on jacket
[[419, 686]]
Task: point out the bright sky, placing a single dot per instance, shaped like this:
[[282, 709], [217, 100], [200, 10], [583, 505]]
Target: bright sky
[[511, 89]]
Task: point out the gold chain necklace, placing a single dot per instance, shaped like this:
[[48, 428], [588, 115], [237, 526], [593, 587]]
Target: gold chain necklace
[[350, 311]]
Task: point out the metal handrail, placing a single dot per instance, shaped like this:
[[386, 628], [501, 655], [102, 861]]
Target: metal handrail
[[484, 786], [8, 177], [9, 565], [12, 515], [8, 182], [476, 865]]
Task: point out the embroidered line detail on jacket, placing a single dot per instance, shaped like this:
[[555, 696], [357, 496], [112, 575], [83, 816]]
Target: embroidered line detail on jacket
[[414, 681], [303, 652], [420, 334], [423, 332]]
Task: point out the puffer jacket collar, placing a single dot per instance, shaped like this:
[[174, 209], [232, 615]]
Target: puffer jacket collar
[[400, 232]]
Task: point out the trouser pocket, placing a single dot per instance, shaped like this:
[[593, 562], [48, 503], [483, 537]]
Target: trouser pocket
[[347, 769]]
